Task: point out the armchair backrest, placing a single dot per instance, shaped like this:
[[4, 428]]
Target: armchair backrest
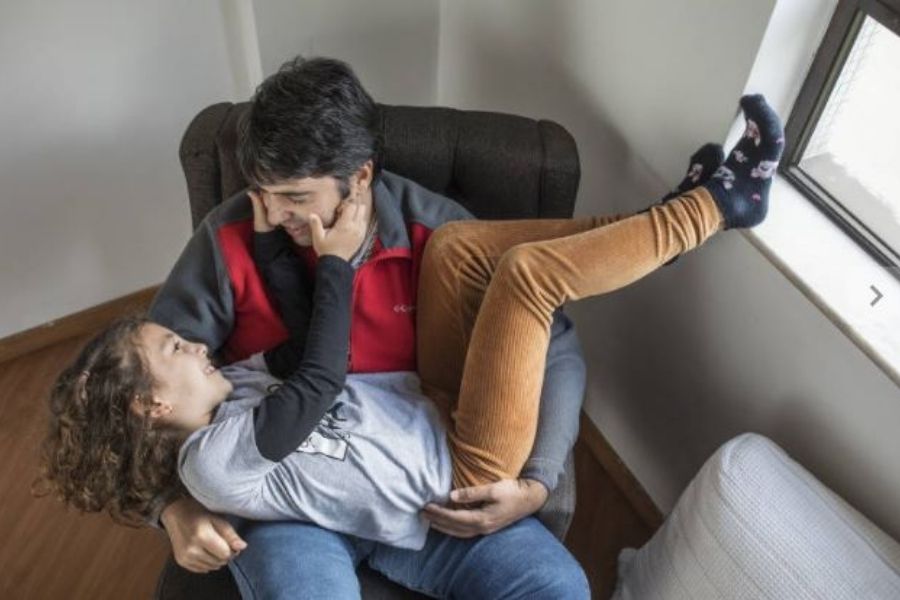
[[498, 166]]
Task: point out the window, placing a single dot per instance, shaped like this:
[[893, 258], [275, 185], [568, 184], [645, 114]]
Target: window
[[843, 136]]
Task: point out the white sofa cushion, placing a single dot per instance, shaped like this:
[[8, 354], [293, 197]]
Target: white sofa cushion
[[755, 524]]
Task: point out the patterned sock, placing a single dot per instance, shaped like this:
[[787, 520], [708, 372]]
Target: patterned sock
[[740, 187], [704, 163]]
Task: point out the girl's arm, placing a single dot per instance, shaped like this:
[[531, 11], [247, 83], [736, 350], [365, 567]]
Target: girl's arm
[[286, 417], [283, 273]]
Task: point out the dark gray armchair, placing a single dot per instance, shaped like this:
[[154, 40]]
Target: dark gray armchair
[[498, 166]]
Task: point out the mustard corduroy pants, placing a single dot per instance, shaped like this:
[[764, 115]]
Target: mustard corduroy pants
[[487, 293]]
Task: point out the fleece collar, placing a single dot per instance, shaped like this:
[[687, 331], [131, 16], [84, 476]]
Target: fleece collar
[[392, 232]]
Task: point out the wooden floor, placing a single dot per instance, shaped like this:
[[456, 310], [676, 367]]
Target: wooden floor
[[47, 552], [606, 521]]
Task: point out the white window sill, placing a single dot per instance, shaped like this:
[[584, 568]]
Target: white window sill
[[834, 273]]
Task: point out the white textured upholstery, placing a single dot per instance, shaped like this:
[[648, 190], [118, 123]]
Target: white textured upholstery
[[755, 524]]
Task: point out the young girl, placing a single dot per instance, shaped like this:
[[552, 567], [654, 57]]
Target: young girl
[[362, 454]]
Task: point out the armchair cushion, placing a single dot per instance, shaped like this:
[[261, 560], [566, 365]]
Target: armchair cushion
[[755, 524]]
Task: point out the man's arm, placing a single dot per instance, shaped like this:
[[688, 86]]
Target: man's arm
[[561, 398], [504, 502], [201, 541]]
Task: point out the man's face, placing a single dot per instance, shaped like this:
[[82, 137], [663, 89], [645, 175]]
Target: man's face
[[289, 203]]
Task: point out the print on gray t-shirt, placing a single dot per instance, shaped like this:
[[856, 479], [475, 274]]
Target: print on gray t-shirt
[[373, 462]]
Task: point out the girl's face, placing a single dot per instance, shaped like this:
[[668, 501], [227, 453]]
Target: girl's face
[[188, 387]]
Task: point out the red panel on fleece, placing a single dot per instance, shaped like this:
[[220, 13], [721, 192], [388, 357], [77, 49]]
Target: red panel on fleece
[[383, 325], [258, 326]]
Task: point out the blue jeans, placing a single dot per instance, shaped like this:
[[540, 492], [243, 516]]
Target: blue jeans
[[300, 560]]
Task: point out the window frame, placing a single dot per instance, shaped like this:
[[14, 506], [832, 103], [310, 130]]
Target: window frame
[[827, 65]]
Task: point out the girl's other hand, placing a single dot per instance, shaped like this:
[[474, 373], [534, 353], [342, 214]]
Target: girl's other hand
[[260, 214], [346, 236]]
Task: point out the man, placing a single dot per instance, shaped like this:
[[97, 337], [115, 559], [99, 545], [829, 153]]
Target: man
[[308, 143]]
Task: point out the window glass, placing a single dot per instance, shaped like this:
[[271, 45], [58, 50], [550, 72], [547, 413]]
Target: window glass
[[854, 151]]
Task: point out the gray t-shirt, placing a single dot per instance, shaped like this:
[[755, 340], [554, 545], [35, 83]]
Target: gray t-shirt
[[376, 458]]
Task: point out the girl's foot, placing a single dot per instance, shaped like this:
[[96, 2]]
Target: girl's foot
[[704, 163], [740, 187]]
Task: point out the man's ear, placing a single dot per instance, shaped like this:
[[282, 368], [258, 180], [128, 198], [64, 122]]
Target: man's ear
[[364, 176]]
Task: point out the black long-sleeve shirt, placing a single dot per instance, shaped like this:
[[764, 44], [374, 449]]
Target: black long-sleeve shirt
[[313, 361]]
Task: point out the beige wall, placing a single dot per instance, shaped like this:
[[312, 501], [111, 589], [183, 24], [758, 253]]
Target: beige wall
[[721, 342], [391, 44], [95, 97]]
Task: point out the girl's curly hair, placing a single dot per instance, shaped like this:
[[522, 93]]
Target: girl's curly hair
[[101, 453]]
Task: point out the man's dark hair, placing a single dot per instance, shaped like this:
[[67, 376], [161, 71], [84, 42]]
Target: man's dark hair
[[310, 119]]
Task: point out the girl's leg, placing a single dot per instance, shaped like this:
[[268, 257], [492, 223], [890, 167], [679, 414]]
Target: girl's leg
[[459, 261], [458, 273], [484, 370], [495, 417]]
